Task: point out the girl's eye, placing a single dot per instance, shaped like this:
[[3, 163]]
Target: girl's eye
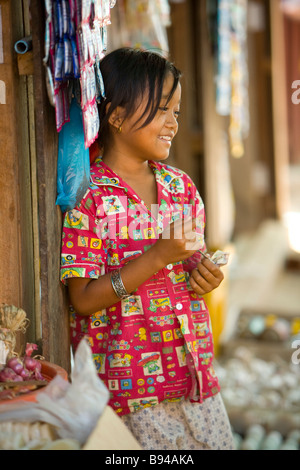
[[165, 109]]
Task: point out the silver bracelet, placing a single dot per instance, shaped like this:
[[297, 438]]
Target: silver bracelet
[[117, 285]]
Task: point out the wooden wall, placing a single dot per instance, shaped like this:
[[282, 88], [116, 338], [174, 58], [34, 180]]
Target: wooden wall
[[17, 271]]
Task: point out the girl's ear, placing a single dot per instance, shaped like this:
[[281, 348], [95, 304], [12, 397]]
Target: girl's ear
[[117, 117]]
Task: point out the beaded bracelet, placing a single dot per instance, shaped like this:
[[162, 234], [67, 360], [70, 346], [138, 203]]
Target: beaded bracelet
[[117, 284]]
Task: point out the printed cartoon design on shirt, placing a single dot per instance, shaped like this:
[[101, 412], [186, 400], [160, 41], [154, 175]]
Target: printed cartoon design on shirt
[[132, 306], [76, 219], [151, 363], [112, 205], [99, 319], [157, 344], [140, 403]]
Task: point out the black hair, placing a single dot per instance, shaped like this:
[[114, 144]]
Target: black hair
[[128, 74]]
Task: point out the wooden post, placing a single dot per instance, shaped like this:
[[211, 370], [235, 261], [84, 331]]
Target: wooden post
[[54, 317], [218, 201], [280, 116]]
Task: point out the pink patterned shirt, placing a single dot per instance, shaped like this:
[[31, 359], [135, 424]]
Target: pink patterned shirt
[[157, 344]]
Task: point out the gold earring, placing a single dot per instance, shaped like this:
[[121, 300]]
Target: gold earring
[[119, 130]]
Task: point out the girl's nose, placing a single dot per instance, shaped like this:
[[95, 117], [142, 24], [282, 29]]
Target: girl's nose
[[171, 120]]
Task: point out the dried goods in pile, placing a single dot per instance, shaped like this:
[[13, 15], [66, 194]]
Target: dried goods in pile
[[12, 320], [18, 375]]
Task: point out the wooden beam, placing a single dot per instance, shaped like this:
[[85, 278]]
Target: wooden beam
[[54, 316], [25, 63], [10, 250], [280, 115], [218, 199]]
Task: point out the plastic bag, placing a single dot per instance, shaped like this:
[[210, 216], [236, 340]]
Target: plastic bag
[[73, 408], [73, 167]]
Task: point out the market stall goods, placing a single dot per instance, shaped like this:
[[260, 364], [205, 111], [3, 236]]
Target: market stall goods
[[262, 398], [26, 436], [75, 42], [12, 321], [66, 415], [257, 438], [19, 374]]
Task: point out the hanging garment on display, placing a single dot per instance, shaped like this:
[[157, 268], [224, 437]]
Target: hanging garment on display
[[232, 75], [75, 42], [223, 85], [239, 117]]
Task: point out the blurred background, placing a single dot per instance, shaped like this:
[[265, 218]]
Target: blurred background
[[238, 140]]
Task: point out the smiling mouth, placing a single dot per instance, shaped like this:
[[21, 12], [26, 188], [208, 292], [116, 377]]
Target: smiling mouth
[[166, 139]]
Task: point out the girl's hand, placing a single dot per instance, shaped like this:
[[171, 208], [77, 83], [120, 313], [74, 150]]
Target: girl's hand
[[206, 277], [177, 243]]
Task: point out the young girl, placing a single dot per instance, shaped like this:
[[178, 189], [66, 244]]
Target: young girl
[[131, 256]]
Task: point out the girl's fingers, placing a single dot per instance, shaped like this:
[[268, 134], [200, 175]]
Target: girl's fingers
[[207, 269], [198, 289], [207, 283], [204, 280]]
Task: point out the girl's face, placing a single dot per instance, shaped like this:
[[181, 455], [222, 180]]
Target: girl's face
[[154, 141]]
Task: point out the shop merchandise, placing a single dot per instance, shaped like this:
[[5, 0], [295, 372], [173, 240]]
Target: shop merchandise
[[232, 71], [58, 407], [262, 398], [257, 438], [75, 42]]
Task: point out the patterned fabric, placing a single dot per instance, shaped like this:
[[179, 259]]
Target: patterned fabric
[[157, 344], [183, 426]]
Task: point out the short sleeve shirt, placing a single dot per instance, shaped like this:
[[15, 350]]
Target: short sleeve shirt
[[156, 345]]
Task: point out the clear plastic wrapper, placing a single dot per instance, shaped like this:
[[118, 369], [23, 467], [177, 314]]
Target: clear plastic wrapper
[[59, 16], [83, 83], [68, 59], [100, 91], [86, 9], [59, 60], [65, 17], [78, 11], [59, 108], [98, 10], [75, 58], [105, 12], [90, 45]]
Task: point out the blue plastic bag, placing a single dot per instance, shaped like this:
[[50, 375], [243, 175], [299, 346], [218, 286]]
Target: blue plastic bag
[[73, 166]]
